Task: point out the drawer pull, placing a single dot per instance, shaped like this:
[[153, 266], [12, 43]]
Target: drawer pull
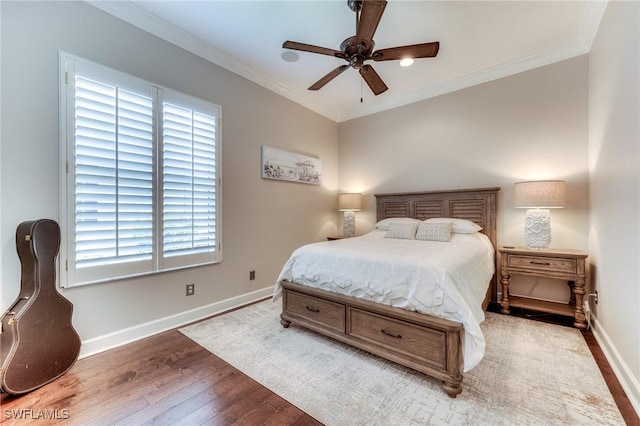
[[535, 262], [390, 334], [312, 309]]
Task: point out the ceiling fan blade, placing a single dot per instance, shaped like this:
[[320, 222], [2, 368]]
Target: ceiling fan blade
[[415, 51], [373, 79], [327, 78], [293, 45], [370, 16]]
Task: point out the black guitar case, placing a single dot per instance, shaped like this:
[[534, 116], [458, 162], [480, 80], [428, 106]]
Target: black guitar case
[[38, 342]]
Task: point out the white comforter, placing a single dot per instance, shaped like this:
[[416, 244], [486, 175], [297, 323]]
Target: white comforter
[[444, 279]]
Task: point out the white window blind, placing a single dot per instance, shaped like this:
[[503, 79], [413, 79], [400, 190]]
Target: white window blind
[[114, 174], [140, 197], [189, 181]]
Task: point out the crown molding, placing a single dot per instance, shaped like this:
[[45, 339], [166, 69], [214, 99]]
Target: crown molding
[[483, 76], [150, 23], [591, 22], [594, 13]]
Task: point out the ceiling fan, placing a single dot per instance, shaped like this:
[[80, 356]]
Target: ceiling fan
[[359, 48]]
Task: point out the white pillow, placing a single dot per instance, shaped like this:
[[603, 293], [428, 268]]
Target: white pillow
[[434, 231], [403, 231], [384, 223], [460, 226]]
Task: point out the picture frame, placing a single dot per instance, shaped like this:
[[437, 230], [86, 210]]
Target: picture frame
[[279, 164]]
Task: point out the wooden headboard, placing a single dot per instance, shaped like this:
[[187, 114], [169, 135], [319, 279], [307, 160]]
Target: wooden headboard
[[477, 205]]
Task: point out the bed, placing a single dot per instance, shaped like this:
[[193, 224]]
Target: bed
[[432, 327]]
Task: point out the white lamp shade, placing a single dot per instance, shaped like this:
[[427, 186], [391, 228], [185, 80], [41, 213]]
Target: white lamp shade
[[349, 202], [546, 194]]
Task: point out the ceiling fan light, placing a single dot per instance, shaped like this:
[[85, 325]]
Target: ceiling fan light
[[406, 62]]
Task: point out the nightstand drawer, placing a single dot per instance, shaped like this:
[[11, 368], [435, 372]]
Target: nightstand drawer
[[322, 312], [543, 263]]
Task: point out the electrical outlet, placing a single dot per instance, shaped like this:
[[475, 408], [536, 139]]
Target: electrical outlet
[[191, 289], [252, 275]]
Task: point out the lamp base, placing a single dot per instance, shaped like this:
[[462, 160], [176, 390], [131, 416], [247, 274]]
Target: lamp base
[[537, 229], [349, 224]]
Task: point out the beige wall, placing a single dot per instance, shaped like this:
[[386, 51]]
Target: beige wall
[[614, 164], [255, 211], [531, 125]]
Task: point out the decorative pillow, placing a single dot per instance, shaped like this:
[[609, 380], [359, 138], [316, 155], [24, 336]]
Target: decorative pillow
[[460, 226], [384, 223], [403, 231], [434, 231]]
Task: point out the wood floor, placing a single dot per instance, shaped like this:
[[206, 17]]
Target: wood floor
[[168, 379], [165, 379]]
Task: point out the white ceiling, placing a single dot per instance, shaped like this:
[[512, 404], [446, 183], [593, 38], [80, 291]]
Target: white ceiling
[[479, 41]]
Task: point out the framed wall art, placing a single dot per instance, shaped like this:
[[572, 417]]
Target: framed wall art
[[279, 164]]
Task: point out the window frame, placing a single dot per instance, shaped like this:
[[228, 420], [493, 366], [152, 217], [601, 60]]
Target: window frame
[[72, 276]]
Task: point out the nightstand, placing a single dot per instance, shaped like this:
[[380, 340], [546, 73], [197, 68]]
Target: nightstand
[[570, 265], [337, 237]]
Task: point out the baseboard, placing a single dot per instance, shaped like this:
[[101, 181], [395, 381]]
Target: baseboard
[[620, 368], [131, 334]]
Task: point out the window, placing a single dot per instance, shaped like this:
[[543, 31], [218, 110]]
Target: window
[[141, 179]]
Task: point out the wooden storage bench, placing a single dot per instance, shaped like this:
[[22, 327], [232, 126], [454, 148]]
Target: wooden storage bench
[[424, 343]]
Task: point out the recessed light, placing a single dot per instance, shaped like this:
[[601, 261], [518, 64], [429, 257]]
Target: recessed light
[[290, 56], [406, 62]]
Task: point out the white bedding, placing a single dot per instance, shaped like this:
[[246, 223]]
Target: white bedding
[[444, 279]]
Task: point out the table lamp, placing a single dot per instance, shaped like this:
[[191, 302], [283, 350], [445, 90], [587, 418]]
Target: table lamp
[[538, 197], [349, 203]]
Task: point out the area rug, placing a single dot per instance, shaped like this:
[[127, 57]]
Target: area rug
[[532, 374]]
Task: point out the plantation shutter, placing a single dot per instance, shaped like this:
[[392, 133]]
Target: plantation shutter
[[189, 181], [113, 174], [140, 184]]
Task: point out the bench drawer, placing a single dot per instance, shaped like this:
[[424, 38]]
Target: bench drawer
[[318, 311], [427, 346]]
